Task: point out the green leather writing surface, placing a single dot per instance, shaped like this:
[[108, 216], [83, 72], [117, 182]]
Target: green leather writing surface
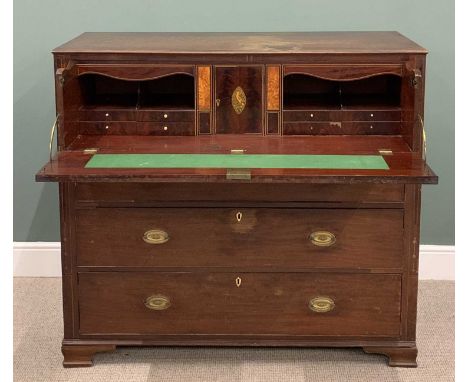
[[361, 162]]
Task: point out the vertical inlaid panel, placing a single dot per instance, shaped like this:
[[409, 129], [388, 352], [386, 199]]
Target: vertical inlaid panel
[[204, 87], [273, 87], [239, 99], [272, 123], [204, 123]]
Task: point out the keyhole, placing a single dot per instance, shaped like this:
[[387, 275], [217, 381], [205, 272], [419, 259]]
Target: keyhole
[[238, 282], [239, 216]]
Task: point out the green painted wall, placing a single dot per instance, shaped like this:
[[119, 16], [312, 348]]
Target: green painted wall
[[39, 26]]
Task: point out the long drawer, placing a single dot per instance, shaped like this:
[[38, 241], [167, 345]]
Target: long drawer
[[113, 193], [149, 303], [243, 237]]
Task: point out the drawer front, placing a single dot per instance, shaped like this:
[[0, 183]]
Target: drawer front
[[364, 128], [224, 237], [312, 128], [311, 115], [239, 303], [166, 128], [107, 114], [115, 193], [371, 115], [166, 115], [341, 115], [339, 128], [108, 128]]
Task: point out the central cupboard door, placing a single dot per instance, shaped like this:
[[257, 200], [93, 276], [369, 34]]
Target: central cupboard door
[[239, 99]]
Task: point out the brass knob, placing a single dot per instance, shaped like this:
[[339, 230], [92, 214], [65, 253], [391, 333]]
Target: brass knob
[[321, 304], [165, 128], [157, 302], [322, 238], [155, 236], [165, 116]]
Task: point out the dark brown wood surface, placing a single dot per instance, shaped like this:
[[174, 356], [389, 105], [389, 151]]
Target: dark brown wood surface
[[365, 87], [263, 237], [241, 42], [250, 80], [151, 194], [70, 166], [264, 303]]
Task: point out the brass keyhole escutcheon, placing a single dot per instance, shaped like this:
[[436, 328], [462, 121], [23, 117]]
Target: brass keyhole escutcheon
[[158, 302], [155, 236], [321, 304], [322, 238], [238, 282], [239, 216], [218, 102]]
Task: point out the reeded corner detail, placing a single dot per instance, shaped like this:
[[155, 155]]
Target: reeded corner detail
[[239, 100]]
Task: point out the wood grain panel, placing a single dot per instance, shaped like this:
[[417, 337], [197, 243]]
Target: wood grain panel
[[273, 87], [273, 237], [113, 193], [204, 88], [250, 79], [264, 303]]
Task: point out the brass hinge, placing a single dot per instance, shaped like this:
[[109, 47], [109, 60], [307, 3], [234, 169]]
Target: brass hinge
[[385, 152], [90, 150], [237, 151], [238, 173]]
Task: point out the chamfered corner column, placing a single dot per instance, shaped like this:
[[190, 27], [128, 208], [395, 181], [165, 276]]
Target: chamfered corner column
[[82, 355], [397, 356]]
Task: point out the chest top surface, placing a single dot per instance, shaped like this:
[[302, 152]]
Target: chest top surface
[[241, 43]]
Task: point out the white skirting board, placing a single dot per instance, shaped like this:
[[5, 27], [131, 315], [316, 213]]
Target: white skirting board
[[42, 259]]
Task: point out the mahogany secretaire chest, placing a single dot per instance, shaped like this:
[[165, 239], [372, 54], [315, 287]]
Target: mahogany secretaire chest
[[257, 189]]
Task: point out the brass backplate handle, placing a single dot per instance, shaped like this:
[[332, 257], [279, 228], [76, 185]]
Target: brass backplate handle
[[321, 304], [322, 238], [158, 302], [155, 236]]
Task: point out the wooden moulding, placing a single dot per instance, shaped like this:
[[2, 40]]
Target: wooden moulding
[[204, 88], [273, 87]]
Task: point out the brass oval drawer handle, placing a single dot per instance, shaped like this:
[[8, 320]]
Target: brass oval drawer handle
[[157, 302], [322, 238], [155, 236], [321, 304]]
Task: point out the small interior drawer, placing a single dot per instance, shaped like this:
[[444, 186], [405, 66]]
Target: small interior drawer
[[166, 128], [311, 115], [312, 128], [339, 128], [108, 128], [147, 303], [364, 128], [166, 115], [371, 115], [95, 114]]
